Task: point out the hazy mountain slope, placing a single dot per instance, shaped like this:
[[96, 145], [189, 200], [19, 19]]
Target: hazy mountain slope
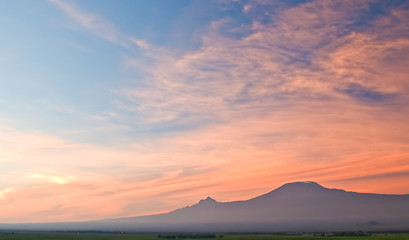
[[300, 206]]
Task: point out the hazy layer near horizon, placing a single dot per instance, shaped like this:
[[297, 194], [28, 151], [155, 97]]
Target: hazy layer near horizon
[[299, 206]]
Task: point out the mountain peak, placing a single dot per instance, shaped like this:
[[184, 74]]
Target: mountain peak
[[300, 186], [293, 188], [207, 200], [303, 183]]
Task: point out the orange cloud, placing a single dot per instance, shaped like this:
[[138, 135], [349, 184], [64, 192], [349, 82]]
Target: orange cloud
[[266, 103], [302, 97]]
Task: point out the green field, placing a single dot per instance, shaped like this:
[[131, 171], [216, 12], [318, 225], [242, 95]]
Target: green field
[[129, 236]]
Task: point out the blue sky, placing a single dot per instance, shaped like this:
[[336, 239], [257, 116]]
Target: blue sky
[[153, 105], [59, 72]]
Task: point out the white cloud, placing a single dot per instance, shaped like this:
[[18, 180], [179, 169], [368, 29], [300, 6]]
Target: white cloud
[[3, 192], [52, 177]]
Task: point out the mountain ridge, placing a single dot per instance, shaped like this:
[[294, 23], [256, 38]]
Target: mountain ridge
[[297, 206]]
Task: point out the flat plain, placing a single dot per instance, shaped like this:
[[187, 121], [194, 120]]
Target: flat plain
[[134, 236]]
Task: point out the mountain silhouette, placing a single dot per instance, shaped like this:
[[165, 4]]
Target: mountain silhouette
[[298, 206]]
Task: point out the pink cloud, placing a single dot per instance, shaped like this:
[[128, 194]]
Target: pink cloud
[[264, 113], [275, 106]]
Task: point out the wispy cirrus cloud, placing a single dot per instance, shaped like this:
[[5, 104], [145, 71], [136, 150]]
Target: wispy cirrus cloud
[[303, 93], [102, 176], [311, 50], [89, 21], [278, 91], [98, 25]]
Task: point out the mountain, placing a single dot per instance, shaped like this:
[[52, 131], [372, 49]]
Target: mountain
[[298, 206]]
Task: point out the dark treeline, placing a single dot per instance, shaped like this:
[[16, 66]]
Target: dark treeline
[[352, 234], [347, 234]]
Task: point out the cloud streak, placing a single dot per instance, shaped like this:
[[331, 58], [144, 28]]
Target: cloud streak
[[92, 22], [281, 88], [304, 93], [99, 26]]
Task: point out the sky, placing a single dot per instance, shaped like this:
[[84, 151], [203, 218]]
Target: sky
[[125, 108]]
